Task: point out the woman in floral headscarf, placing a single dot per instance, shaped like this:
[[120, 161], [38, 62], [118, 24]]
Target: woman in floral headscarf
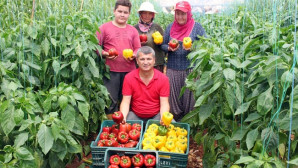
[[178, 66], [147, 27]]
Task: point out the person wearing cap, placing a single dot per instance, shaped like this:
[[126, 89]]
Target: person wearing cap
[[178, 66], [119, 35], [148, 27]]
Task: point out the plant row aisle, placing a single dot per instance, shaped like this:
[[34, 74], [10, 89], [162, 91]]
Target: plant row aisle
[[244, 78]]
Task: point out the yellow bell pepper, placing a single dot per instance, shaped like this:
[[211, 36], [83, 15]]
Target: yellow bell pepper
[[149, 147], [158, 142], [181, 145], [163, 149], [157, 38], [182, 131], [187, 42], [147, 141], [170, 145], [149, 135], [171, 127], [172, 138], [182, 138], [127, 53], [177, 129], [153, 128], [177, 150], [167, 118], [171, 132]]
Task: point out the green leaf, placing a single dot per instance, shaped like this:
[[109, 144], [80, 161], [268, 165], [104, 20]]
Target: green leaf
[[56, 66], [255, 164], [239, 134], [251, 138], [74, 65], [45, 138], [66, 51], [79, 125], [63, 101], [7, 120], [200, 100], [293, 162], [229, 74], [245, 159], [94, 71], [54, 42], [21, 139], [252, 117], [68, 116], [205, 112], [189, 117], [79, 97], [282, 150], [265, 101], [32, 32], [286, 79], [55, 131], [84, 109], [4, 106], [79, 50], [267, 165], [243, 108], [45, 46], [23, 154]]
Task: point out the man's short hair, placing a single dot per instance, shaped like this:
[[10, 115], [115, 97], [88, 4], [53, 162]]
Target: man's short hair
[[123, 3], [145, 50]]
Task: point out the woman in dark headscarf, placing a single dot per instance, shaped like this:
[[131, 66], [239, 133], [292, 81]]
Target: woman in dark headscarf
[[178, 66]]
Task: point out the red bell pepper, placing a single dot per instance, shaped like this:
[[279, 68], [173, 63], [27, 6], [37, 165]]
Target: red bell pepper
[[136, 126], [115, 160], [113, 166], [112, 136], [104, 135], [149, 160], [106, 129], [117, 117], [108, 143], [125, 162], [129, 145], [115, 129], [134, 134], [101, 143], [122, 137], [121, 146], [138, 160], [125, 127]]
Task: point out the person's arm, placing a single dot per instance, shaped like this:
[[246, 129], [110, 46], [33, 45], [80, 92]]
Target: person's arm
[[125, 106], [164, 105], [166, 37], [100, 37]]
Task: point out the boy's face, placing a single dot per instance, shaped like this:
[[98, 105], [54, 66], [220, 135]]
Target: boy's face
[[121, 14]]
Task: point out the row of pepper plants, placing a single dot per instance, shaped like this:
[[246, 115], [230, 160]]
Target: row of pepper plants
[[52, 95], [243, 97]]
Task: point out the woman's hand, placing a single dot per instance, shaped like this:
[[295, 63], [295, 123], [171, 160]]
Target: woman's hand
[[173, 49]]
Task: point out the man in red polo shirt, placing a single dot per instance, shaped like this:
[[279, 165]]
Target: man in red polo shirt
[[145, 90]]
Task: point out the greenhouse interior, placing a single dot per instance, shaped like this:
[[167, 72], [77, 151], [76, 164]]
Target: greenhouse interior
[[239, 82]]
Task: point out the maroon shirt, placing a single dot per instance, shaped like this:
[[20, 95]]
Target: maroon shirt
[[145, 100], [111, 36]]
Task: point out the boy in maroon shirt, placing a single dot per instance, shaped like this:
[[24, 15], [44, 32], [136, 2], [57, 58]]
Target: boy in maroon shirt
[[119, 35], [145, 90]]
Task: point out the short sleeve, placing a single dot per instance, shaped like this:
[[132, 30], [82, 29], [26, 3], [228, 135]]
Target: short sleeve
[[165, 87], [126, 88]]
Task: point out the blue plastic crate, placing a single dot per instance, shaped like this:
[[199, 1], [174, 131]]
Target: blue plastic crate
[[128, 152], [170, 159], [99, 152]]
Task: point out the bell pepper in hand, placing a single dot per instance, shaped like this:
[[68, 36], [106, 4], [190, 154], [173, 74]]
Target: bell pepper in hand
[[117, 117], [138, 160], [157, 38], [149, 160], [187, 42], [127, 53], [167, 118], [125, 162], [115, 160]]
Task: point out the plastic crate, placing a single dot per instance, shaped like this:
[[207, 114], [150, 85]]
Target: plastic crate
[[170, 159], [99, 152], [128, 152]]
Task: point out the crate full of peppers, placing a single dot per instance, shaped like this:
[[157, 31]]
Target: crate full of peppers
[[125, 158], [116, 134], [170, 140]]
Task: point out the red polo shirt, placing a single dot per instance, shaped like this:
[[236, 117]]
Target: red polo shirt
[[145, 100]]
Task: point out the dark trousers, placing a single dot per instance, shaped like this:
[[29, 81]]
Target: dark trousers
[[114, 86]]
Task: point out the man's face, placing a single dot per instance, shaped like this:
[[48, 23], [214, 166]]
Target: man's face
[[146, 62], [121, 14]]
